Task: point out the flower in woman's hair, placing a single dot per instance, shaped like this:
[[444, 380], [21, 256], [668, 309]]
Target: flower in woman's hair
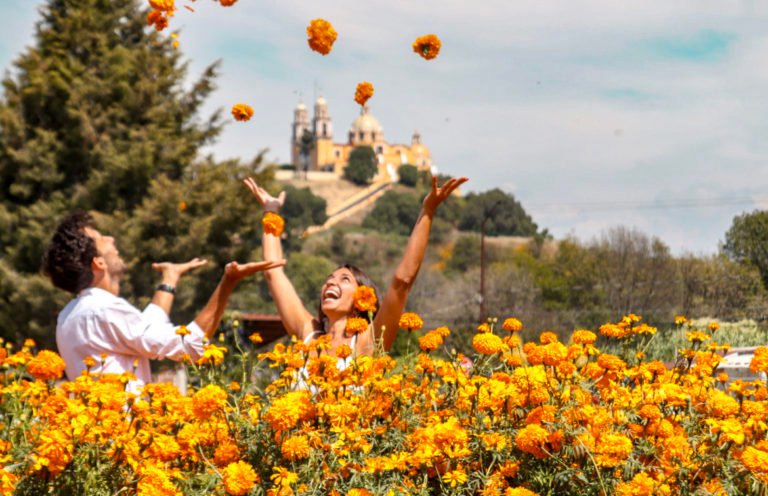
[[239, 478], [46, 365], [356, 325], [164, 5], [321, 36], [410, 321], [273, 224], [363, 92], [428, 46], [343, 351], [365, 299], [512, 325], [242, 112]]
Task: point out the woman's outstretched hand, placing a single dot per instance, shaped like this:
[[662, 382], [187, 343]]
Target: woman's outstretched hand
[[438, 195], [236, 271], [268, 202]]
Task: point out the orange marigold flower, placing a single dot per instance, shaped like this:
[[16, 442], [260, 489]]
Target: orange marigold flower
[[443, 331], [611, 362], [46, 365], [455, 477], [697, 337], [273, 224], [255, 338], [321, 36], [157, 19], [89, 362], [213, 355], [430, 341], [615, 331], [363, 92], [680, 320], [365, 299], [410, 321], [428, 46], [612, 450], [713, 326], [640, 485], [343, 351], [182, 330], [295, 448], [208, 401], [532, 439], [759, 361], [227, 3], [239, 478], [356, 325], [484, 327], [548, 337], [512, 325], [164, 5], [487, 343], [519, 491], [242, 112], [582, 336]]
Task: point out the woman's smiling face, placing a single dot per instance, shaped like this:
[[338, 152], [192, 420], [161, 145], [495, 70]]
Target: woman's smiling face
[[337, 294]]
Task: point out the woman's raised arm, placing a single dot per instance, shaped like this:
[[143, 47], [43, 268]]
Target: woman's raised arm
[[394, 300], [296, 318]]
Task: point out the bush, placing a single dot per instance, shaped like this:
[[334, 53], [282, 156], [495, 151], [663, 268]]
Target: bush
[[362, 165], [409, 175]]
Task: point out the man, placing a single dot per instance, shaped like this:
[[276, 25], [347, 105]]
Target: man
[[98, 322]]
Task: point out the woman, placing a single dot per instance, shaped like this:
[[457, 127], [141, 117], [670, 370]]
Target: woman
[[337, 294]]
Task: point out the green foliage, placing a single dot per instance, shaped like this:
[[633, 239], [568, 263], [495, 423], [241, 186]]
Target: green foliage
[[409, 174], [362, 165], [308, 274], [466, 254], [747, 241], [302, 209], [504, 214], [394, 213]]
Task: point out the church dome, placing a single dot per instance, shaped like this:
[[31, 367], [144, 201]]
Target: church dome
[[366, 122]]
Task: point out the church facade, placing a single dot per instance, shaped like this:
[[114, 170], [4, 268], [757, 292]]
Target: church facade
[[313, 147]]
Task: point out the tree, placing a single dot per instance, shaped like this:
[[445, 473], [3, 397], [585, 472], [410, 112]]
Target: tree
[[94, 113], [362, 165], [746, 241], [504, 214], [409, 175], [394, 213], [302, 209]]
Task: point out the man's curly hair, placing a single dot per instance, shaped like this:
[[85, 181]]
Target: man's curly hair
[[67, 260]]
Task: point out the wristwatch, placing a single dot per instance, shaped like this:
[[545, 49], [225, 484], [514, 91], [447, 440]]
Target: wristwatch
[[167, 288]]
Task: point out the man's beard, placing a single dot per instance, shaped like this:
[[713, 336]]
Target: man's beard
[[115, 266]]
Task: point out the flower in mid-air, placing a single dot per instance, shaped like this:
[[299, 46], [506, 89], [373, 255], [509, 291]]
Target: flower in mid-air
[[363, 92], [242, 112], [428, 46], [321, 36]]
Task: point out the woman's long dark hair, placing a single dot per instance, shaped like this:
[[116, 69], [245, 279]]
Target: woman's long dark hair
[[362, 279]]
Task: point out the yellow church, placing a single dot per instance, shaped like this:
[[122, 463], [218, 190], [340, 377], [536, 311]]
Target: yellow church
[[313, 147]]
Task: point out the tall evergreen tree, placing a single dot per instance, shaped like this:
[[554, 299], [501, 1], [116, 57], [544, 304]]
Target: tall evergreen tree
[[93, 113]]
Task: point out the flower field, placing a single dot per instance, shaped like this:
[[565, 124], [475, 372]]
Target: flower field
[[543, 417]]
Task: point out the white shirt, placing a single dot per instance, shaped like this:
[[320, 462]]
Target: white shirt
[[97, 322]]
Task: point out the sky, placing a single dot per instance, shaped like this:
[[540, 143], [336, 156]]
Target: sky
[[649, 114]]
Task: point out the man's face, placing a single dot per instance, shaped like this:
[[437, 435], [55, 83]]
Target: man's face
[[105, 246]]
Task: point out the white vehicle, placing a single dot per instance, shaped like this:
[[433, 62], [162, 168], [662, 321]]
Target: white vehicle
[[736, 364]]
